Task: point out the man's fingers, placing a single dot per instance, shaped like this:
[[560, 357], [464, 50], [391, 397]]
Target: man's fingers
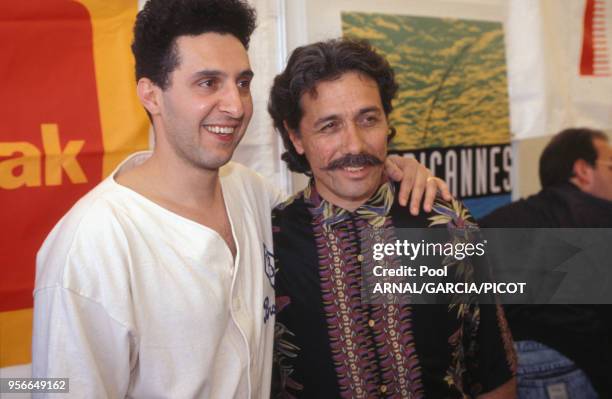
[[418, 188], [435, 185], [443, 188], [407, 183], [392, 169], [430, 193], [417, 183]]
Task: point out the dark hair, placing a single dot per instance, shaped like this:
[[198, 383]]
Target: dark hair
[[161, 22], [565, 148], [323, 61]]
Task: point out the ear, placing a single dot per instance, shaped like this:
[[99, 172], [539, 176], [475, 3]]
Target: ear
[[149, 94], [583, 174], [295, 139]]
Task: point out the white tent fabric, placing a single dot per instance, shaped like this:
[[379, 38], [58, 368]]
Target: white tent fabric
[[260, 148], [545, 46]]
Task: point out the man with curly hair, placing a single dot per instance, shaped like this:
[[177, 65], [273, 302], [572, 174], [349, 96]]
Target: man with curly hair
[[153, 284], [159, 282], [331, 106]]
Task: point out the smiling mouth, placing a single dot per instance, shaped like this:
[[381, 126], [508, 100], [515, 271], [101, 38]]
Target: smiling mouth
[[353, 168], [221, 130]]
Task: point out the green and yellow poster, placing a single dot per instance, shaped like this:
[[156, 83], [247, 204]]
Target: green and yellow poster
[[452, 110]]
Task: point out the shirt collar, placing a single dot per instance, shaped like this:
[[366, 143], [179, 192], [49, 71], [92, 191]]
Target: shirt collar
[[374, 210]]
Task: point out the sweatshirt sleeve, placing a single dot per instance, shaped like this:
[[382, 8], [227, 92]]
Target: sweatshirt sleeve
[[83, 324], [74, 337]]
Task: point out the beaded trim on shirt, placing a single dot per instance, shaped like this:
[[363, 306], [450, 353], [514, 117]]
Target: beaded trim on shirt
[[366, 356]]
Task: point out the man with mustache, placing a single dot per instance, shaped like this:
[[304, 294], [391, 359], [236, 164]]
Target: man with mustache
[[158, 283], [330, 106]]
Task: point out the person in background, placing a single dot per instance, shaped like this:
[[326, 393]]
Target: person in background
[[564, 348], [157, 283], [331, 106], [576, 178]]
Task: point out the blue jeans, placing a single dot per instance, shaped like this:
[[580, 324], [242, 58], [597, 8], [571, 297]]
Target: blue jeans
[[544, 373]]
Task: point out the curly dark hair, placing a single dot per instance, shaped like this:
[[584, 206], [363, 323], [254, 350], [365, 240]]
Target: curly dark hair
[[565, 148], [161, 22], [323, 61]]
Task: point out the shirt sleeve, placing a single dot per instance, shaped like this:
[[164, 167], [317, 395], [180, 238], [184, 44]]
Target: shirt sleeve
[[276, 195], [265, 187], [74, 337], [83, 328]]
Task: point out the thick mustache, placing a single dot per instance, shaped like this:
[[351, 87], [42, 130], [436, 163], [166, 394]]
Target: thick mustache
[[353, 161]]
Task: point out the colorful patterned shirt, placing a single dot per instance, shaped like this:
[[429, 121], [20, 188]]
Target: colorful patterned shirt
[[329, 344]]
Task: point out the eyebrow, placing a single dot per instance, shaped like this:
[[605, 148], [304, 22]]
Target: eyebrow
[[215, 72], [373, 108], [362, 111]]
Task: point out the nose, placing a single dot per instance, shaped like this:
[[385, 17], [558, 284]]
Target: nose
[[352, 139], [231, 102]]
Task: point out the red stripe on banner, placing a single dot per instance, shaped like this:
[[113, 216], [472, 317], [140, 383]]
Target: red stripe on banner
[[594, 45], [586, 59], [50, 135]]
